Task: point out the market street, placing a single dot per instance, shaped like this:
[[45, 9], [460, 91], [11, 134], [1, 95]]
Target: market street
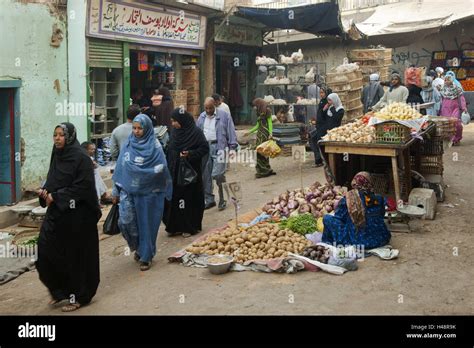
[[427, 278]]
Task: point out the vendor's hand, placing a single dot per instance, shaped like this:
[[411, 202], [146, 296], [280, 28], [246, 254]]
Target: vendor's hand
[[49, 199], [115, 200], [184, 154], [326, 107]]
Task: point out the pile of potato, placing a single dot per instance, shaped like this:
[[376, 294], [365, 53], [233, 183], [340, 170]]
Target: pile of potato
[[354, 132], [263, 241], [398, 111]]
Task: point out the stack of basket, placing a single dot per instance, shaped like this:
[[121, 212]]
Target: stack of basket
[[348, 86], [371, 61]]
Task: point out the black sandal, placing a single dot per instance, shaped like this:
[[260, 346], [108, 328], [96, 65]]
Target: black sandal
[[145, 266]]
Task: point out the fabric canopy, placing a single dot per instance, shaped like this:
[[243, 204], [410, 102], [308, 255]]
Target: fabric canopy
[[409, 17], [319, 19]]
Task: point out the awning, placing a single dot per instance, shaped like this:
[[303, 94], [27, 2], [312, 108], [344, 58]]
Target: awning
[[418, 16], [319, 19]]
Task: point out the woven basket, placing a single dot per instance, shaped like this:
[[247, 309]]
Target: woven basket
[[403, 183], [431, 164], [432, 146], [353, 104], [380, 183], [445, 126], [351, 114], [370, 54], [392, 133]]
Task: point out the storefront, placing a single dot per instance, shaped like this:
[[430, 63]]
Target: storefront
[[236, 48], [134, 48]]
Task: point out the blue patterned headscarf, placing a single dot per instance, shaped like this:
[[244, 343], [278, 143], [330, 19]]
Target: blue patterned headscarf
[[455, 81], [141, 167]]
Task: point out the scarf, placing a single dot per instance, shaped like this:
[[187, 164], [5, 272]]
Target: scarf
[[452, 91], [65, 161], [361, 183], [336, 102], [141, 167], [262, 107], [186, 137], [454, 79]]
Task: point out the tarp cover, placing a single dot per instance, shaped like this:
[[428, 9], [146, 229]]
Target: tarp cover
[[318, 19], [414, 16]]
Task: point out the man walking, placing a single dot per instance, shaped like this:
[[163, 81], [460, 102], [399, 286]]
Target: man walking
[[120, 134], [219, 130]]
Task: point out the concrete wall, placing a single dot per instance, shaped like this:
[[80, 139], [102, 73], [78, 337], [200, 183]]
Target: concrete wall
[[27, 54], [407, 49]]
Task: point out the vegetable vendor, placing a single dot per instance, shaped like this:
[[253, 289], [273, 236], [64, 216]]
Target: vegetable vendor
[[359, 217], [397, 93], [264, 129]]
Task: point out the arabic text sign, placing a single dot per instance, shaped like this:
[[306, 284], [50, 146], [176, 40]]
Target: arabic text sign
[[145, 24], [241, 35]]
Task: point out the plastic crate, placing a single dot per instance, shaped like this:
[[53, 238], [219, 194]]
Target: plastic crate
[[429, 164], [432, 146], [392, 133]]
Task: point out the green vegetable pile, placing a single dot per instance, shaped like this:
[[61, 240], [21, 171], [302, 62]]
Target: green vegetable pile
[[301, 224], [32, 241]]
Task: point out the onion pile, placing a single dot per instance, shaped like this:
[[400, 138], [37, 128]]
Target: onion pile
[[317, 199]]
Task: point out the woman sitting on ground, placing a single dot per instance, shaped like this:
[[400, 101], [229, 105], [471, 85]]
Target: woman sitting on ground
[[359, 217]]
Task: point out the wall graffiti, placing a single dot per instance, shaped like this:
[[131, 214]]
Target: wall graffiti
[[409, 57]]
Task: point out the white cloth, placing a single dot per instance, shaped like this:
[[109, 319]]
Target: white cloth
[[210, 128], [336, 101], [438, 82], [99, 183], [374, 77], [224, 107]]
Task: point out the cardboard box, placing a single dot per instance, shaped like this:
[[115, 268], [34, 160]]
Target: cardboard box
[[190, 75], [191, 87]]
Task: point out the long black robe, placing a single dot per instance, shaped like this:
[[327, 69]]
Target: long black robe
[[68, 246], [185, 211]]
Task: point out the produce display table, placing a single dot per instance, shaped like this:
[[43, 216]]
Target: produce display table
[[393, 151]]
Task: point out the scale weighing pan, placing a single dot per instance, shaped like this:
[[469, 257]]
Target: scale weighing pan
[[412, 210], [39, 211], [23, 209]]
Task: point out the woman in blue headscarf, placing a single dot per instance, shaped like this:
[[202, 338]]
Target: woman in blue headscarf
[[142, 181], [455, 81]]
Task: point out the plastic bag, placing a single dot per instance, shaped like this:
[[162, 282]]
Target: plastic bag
[[111, 226], [465, 118], [349, 263], [186, 173], [269, 148], [414, 76]]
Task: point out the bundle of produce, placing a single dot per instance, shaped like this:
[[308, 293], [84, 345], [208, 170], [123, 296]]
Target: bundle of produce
[[353, 132], [263, 241], [301, 224], [317, 199], [317, 253], [398, 111], [269, 148]]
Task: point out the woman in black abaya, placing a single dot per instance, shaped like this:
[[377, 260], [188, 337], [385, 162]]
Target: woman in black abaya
[[183, 215], [68, 246]]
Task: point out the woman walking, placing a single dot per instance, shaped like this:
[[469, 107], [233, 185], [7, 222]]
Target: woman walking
[[431, 94], [68, 245], [321, 125], [452, 105], [142, 183], [264, 129], [183, 215]]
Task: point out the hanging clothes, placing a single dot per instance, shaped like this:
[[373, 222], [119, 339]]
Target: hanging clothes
[[142, 61]]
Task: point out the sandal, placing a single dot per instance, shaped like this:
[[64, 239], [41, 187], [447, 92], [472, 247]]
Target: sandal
[[186, 235], [145, 266], [55, 303], [71, 307]]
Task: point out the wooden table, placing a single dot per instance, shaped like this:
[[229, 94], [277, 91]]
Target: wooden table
[[393, 151]]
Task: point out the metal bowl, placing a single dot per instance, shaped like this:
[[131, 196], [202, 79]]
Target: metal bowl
[[23, 209], [219, 267], [412, 210]]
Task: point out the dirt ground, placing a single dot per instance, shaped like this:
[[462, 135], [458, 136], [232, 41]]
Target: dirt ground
[[429, 277]]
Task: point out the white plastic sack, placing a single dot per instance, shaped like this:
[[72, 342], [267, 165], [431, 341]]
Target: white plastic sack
[[465, 118]]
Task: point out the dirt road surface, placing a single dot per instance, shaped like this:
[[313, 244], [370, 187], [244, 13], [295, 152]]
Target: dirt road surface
[[434, 273]]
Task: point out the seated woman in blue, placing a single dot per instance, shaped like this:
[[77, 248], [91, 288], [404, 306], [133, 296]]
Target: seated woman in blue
[[359, 217]]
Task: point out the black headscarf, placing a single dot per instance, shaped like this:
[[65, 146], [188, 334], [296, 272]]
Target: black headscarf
[[188, 135], [65, 161], [165, 109]]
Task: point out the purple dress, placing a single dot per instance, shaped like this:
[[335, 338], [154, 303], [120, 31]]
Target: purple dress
[[450, 108]]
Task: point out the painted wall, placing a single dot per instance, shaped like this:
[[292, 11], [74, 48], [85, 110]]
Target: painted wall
[[416, 51], [27, 29]]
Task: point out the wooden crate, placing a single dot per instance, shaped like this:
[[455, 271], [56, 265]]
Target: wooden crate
[[432, 146], [370, 54], [429, 164], [392, 133]]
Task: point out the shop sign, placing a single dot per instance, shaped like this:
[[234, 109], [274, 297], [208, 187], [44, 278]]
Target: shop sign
[[139, 22], [241, 35]]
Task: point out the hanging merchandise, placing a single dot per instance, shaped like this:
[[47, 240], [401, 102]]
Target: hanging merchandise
[[169, 62], [150, 75], [159, 60], [142, 61]]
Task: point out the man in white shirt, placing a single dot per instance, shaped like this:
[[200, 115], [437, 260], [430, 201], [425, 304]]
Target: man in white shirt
[[218, 99], [219, 131], [120, 134]]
